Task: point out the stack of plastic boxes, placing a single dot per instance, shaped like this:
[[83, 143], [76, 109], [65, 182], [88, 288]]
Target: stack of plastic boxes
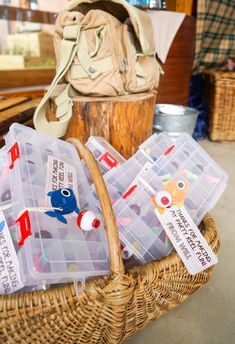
[[186, 167], [50, 250], [121, 182], [160, 165]]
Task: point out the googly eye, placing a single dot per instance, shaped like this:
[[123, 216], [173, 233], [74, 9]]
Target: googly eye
[[65, 192], [181, 185], [163, 199]]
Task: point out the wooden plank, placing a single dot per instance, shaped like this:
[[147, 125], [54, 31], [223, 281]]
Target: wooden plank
[[35, 16], [7, 114], [185, 6], [20, 113], [7, 103], [29, 92], [26, 77], [171, 5]]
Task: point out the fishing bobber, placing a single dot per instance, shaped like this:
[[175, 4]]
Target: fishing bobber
[[87, 221], [163, 199]]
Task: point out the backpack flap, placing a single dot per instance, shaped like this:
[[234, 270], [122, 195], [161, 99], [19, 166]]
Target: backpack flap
[[122, 10]]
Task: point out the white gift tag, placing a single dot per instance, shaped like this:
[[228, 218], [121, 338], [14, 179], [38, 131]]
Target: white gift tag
[[10, 277], [186, 238], [60, 175]]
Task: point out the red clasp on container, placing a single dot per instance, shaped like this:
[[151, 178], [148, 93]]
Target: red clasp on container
[[109, 160], [14, 154], [25, 227]]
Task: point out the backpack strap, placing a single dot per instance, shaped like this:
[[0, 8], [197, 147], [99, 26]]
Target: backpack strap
[[63, 101]]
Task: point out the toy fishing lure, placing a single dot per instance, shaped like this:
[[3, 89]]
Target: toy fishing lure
[[64, 202], [173, 193]]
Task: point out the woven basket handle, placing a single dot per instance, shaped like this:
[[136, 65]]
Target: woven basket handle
[[116, 263]]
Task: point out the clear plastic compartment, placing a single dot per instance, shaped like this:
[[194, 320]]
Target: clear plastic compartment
[[206, 178], [55, 251], [140, 231], [194, 180], [156, 146], [106, 155]]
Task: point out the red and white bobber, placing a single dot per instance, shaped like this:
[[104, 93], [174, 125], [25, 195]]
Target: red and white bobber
[[88, 221], [163, 199]]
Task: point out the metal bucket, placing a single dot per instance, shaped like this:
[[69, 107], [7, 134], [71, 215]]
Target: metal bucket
[[174, 119]]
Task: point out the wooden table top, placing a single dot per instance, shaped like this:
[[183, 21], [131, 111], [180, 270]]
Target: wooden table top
[[17, 109]]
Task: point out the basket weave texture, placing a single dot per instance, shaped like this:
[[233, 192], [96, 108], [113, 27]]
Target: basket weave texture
[[220, 94], [111, 308]]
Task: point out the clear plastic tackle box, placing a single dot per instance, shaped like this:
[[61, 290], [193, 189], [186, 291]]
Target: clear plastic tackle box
[[186, 175], [49, 189], [123, 180]]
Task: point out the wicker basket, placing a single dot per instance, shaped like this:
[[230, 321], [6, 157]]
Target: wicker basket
[[220, 94], [111, 308]]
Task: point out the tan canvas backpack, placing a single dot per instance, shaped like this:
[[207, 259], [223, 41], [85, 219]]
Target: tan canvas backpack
[[103, 48]]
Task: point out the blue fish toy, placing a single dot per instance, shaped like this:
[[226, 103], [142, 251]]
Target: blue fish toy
[[66, 201]]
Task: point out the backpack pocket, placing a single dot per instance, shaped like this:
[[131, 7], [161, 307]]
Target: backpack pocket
[[141, 71]]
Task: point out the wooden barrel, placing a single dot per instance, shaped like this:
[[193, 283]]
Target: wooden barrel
[[124, 121]]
